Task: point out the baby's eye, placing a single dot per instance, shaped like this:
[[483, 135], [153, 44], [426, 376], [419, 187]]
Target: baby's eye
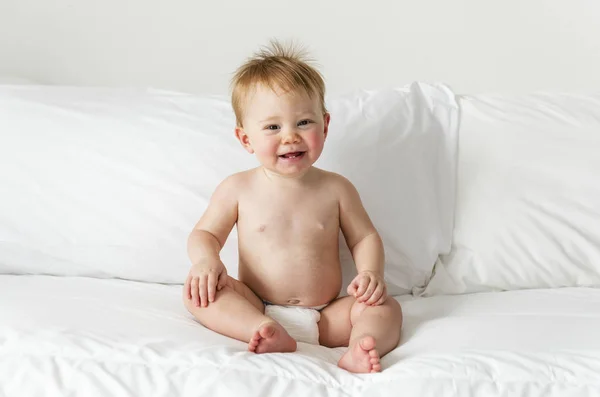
[[304, 122], [272, 127]]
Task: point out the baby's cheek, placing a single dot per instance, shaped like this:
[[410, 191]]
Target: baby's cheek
[[266, 149], [315, 141]]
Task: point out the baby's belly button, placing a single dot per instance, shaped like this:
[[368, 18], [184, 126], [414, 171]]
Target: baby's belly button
[[293, 301]]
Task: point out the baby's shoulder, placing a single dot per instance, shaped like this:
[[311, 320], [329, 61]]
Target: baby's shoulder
[[235, 183], [336, 183]]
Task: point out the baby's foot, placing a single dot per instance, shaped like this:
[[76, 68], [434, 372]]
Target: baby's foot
[[361, 357], [271, 337]]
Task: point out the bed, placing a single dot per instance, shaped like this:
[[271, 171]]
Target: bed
[[115, 128], [101, 186], [75, 336]]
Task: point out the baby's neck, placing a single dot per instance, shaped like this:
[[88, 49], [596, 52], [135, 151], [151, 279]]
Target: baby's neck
[[288, 179]]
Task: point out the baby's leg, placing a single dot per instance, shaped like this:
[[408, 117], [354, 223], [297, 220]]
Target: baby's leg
[[238, 313], [370, 331]]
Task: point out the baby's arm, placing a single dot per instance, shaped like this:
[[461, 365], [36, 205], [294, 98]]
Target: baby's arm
[[208, 274], [366, 247]]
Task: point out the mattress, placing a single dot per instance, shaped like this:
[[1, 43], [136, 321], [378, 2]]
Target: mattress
[[70, 336]]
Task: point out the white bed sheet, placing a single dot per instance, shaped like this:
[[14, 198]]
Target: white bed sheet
[[90, 337]]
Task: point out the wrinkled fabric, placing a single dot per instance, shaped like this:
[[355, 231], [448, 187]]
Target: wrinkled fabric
[[82, 336]]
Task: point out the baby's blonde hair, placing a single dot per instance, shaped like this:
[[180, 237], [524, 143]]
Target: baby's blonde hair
[[276, 66]]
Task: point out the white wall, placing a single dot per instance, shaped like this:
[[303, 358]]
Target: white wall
[[194, 45]]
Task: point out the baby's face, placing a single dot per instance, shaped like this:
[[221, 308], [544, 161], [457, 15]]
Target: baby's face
[[285, 130]]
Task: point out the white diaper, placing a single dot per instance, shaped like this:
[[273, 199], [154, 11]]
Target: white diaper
[[299, 322]]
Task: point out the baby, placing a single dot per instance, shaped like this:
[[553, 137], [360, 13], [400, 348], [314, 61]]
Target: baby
[[288, 215]]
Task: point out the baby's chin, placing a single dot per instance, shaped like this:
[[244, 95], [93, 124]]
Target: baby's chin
[[288, 172]]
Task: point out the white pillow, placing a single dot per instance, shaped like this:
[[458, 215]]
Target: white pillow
[[398, 147], [109, 182], [528, 204]]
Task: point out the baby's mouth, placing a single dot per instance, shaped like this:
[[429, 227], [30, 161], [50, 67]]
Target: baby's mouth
[[292, 155]]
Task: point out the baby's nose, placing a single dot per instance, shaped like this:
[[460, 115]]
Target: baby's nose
[[291, 137]]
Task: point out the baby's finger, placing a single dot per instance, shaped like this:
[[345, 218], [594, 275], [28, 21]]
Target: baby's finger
[[222, 281], [381, 300], [377, 294], [384, 295], [370, 289], [352, 288], [212, 286], [202, 287], [362, 286], [187, 287], [194, 289]]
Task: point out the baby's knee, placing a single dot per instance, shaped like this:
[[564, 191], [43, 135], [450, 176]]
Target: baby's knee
[[190, 304], [358, 308], [389, 309], [395, 308]]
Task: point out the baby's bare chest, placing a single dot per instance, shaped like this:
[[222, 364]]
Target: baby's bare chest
[[310, 218]]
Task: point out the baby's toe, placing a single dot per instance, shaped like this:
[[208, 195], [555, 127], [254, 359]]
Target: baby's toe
[[376, 368], [367, 343], [254, 342]]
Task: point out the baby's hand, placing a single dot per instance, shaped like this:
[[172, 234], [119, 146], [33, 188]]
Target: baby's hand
[[204, 280], [368, 287]]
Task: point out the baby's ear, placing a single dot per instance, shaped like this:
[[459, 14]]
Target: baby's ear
[[326, 118], [244, 139]]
